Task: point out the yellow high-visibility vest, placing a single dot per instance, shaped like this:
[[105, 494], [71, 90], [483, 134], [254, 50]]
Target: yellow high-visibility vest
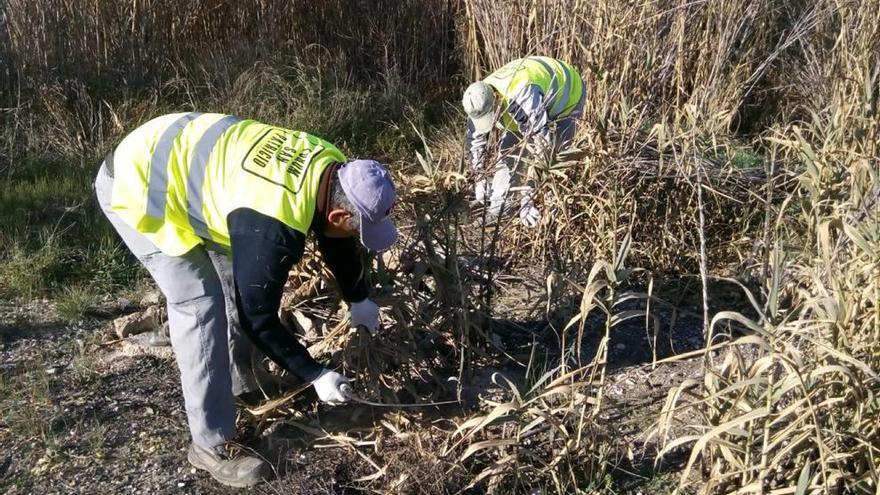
[[559, 82], [177, 177]]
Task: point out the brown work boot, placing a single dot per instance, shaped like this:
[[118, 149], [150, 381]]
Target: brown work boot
[[240, 471]]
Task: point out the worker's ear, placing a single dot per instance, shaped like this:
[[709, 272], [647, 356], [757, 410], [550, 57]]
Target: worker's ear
[[338, 218]]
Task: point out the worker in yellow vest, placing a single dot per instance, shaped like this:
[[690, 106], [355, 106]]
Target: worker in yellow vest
[[217, 209], [525, 100]]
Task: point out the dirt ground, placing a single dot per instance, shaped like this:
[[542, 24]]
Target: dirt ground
[[83, 417]]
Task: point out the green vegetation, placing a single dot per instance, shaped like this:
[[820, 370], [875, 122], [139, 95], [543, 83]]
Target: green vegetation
[[27, 403], [54, 234], [74, 301]]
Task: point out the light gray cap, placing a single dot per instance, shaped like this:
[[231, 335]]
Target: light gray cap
[[479, 102]]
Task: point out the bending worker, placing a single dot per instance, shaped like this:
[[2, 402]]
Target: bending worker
[[217, 209], [531, 95]]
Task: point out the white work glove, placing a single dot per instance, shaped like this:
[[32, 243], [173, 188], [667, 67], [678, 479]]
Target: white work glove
[[365, 314], [529, 215], [331, 387]]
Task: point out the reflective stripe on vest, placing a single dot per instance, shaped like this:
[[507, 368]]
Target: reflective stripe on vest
[[158, 188], [545, 73], [559, 101], [195, 179], [177, 177]]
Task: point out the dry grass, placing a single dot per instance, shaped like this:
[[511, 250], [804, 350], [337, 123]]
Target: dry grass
[[151, 42], [670, 82], [800, 412]]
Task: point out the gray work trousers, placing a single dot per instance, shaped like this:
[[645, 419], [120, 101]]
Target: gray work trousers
[[509, 170], [212, 353]]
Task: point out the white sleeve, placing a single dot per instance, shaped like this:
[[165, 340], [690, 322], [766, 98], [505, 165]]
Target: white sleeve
[[476, 146], [529, 109]]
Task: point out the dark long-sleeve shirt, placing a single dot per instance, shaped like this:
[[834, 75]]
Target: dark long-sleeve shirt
[[263, 252]]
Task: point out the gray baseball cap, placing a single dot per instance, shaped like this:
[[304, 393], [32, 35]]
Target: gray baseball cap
[[368, 185], [478, 103]]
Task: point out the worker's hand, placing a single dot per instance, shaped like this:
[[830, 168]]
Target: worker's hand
[[365, 314], [529, 215], [332, 387]]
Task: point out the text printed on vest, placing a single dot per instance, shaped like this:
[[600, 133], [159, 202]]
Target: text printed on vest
[[281, 158]]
